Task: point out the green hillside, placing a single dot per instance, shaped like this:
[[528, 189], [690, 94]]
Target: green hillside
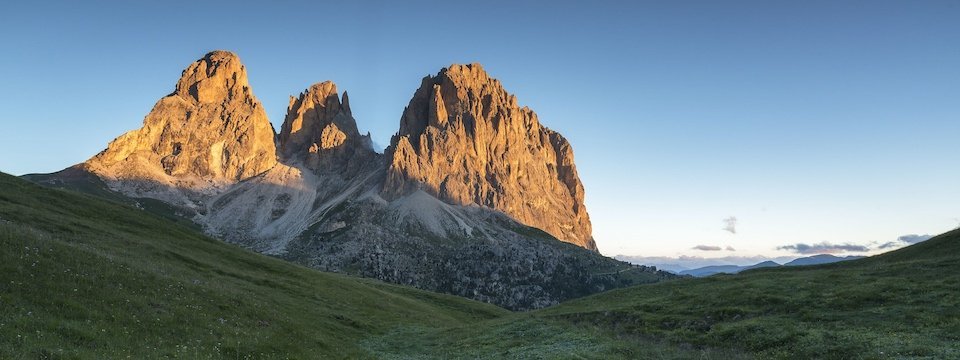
[[903, 304], [900, 305], [83, 277]]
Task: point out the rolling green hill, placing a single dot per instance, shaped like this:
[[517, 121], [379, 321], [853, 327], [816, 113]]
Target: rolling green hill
[[903, 304], [83, 277]]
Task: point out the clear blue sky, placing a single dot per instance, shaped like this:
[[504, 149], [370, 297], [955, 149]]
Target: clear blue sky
[[810, 122]]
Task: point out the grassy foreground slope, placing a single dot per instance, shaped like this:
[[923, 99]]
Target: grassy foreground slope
[[903, 304], [900, 305], [81, 277]]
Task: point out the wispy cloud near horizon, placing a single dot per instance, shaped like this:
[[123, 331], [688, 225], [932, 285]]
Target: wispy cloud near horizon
[[905, 240], [823, 248], [914, 238], [707, 248]]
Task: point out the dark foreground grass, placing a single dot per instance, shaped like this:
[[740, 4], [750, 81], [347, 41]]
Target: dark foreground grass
[[904, 304], [900, 305], [527, 336]]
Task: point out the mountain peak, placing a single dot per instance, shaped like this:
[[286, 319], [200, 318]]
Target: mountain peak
[[320, 129], [322, 89], [210, 130], [464, 139], [221, 55], [465, 72], [217, 75]]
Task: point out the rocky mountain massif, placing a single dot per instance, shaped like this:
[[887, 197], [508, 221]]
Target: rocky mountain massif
[[465, 140], [210, 133], [470, 198]]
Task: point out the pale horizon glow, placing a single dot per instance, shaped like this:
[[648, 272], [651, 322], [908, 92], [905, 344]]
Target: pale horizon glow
[[815, 123]]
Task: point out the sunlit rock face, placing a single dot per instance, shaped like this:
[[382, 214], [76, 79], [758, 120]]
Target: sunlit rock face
[[209, 133], [464, 139]]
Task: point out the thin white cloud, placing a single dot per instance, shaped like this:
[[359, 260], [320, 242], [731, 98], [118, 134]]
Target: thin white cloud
[[707, 248], [730, 224]]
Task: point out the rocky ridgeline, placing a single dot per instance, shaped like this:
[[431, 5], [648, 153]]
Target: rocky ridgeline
[[470, 198]]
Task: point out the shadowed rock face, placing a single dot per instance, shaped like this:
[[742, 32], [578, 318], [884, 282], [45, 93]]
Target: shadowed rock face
[[320, 132], [210, 132], [464, 139]]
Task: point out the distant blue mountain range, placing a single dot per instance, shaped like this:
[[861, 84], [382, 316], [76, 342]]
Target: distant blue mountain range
[[733, 269]]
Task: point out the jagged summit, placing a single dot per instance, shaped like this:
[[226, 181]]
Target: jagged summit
[[464, 139], [210, 132], [219, 55], [320, 130], [216, 74]]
